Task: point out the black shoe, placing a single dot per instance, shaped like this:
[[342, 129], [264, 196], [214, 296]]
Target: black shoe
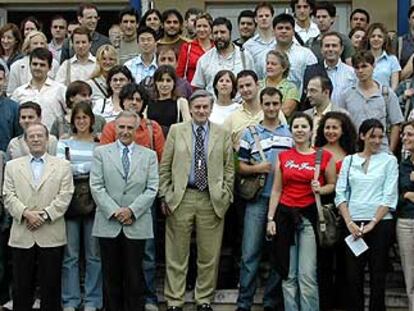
[[204, 307], [174, 309]]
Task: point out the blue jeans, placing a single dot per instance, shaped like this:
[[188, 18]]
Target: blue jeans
[[149, 264], [71, 293], [300, 289], [254, 230]]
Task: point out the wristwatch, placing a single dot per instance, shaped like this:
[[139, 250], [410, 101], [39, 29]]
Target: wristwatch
[[45, 216]]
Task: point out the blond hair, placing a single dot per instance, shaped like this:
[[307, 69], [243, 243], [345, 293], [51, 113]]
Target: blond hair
[[28, 40], [112, 52]]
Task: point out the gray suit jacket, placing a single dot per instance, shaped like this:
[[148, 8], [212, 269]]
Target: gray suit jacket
[[111, 191]]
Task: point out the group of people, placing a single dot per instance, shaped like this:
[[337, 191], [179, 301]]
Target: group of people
[[167, 117]]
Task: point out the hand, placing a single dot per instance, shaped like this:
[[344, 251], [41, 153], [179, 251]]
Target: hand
[[409, 93], [263, 167], [355, 230], [412, 176], [369, 227], [316, 186], [271, 228], [34, 219], [124, 215], [165, 209]]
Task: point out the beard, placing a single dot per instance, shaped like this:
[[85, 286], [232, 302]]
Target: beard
[[221, 44]]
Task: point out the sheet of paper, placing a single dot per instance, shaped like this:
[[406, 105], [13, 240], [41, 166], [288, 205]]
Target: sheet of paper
[[357, 246]]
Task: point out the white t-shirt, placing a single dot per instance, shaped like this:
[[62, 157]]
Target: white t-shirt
[[220, 113]]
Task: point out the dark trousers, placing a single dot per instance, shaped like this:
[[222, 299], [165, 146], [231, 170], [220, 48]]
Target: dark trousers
[[49, 260], [123, 279], [379, 241]]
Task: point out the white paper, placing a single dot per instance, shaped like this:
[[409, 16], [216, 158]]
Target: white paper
[[357, 246]]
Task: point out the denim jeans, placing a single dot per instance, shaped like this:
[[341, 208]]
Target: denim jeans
[[254, 230], [71, 293], [300, 289], [149, 263]]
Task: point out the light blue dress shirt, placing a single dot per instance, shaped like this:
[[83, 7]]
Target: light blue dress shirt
[[139, 70], [385, 66], [37, 165]]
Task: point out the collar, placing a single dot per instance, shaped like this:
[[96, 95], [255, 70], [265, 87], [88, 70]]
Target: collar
[[326, 66], [37, 159], [134, 38], [53, 44], [121, 146], [383, 55], [48, 82], [261, 128], [138, 61], [244, 109], [205, 126], [326, 110], [91, 58]]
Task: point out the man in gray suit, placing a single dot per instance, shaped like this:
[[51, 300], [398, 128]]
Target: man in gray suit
[[124, 184]]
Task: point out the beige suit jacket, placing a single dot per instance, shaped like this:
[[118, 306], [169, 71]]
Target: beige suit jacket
[[53, 194], [176, 165]]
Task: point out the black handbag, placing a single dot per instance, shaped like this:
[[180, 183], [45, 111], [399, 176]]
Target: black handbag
[[327, 224], [82, 203], [249, 187]]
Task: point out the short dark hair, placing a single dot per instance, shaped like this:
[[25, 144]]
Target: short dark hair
[[283, 19], [266, 5], [367, 125], [128, 91], [146, 29], [31, 105], [311, 3], [354, 30], [192, 11], [85, 5], [247, 73], [270, 91], [81, 31], [361, 11], [218, 76], [362, 57], [175, 12], [86, 108], [410, 11], [57, 17], [142, 22], [113, 71], [43, 54], [301, 114], [332, 34], [246, 13], [223, 21], [327, 6], [326, 83], [74, 88], [128, 11]]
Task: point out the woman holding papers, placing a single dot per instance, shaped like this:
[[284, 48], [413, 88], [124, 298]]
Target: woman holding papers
[[366, 192]]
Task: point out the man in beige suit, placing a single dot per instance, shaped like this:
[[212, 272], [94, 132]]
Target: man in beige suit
[[196, 184], [37, 191]]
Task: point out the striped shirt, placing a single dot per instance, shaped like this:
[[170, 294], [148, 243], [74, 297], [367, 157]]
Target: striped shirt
[[272, 143], [80, 154], [342, 77]]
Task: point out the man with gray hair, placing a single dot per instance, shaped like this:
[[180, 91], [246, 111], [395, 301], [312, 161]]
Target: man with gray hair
[[196, 189]]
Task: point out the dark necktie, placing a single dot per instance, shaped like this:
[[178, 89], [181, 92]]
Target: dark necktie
[[200, 170], [125, 161]]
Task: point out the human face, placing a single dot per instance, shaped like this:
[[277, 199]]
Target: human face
[[129, 25], [81, 45], [165, 86], [167, 58], [89, 19], [80, 97], [364, 71], [264, 18], [376, 40], [147, 43], [125, 128], [221, 37], [190, 24], [107, 61], [82, 122], [283, 33], [408, 138], [172, 26], [36, 140], [8, 41], [117, 82], [331, 49], [200, 109], [273, 66], [372, 140], [224, 85], [59, 29], [247, 27], [115, 35], [271, 106], [323, 20], [39, 69], [133, 104], [302, 11], [301, 131], [248, 88], [26, 117], [153, 21], [37, 42], [411, 21], [315, 94], [28, 27], [332, 130], [359, 20], [202, 29], [357, 38]]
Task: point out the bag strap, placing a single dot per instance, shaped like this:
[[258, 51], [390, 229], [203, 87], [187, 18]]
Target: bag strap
[[100, 88], [103, 106], [68, 72], [61, 129], [187, 61], [318, 161], [348, 186], [151, 133], [400, 46], [253, 131], [243, 57]]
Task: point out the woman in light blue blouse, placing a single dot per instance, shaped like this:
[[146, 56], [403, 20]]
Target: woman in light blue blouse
[[366, 192], [78, 149], [387, 68]]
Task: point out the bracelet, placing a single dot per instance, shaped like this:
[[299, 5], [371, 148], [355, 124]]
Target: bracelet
[[270, 221], [269, 218], [351, 222], [374, 220]]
